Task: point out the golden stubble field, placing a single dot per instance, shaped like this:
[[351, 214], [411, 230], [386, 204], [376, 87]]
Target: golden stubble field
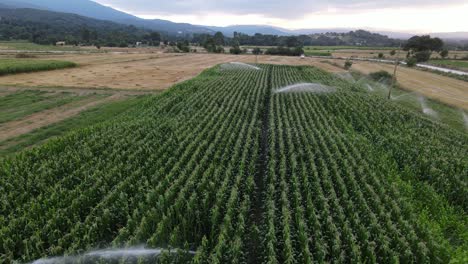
[[142, 71]]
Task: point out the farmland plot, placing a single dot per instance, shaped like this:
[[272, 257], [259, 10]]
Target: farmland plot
[[14, 66], [228, 170]]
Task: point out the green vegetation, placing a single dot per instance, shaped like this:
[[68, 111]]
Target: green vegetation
[[13, 66], [94, 116], [283, 51], [20, 104], [326, 41], [421, 47], [256, 51], [455, 64], [46, 27], [29, 46], [381, 76], [348, 64], [334, 48], [228, 167], [317, 53], [411, 62]]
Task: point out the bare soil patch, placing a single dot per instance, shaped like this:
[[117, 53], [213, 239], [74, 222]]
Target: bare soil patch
[[47, 117]]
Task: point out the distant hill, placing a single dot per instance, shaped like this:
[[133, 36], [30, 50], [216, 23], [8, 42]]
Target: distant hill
[[47, 27], [250, 30], [352, 38], [94, 10], [452, 35], [20, 4], [270, 30]]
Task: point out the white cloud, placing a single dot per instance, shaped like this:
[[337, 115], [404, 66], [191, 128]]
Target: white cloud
[[269, 8], [416, 15]]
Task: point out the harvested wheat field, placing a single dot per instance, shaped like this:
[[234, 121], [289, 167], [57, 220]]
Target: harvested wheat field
[[124, 71], [141, 71]]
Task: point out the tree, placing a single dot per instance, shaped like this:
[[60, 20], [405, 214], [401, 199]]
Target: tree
[[381, 55], [154, 38], [444, 53], [209, 44], [235, 50], [392, 53], [257, 51], [422, 56], [93, 35], [235, 47], [85, 35], [292, 42], [219, 39], [421, 47], [285, 51], [348, 64], [423, 43], [411, 62], [183, 46]]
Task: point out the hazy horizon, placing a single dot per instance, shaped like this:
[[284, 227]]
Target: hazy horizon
[[417, 16]]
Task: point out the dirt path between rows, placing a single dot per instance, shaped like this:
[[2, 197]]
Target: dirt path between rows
[[19, 127]]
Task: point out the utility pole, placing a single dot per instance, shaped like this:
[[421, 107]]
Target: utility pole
[[394, 79]]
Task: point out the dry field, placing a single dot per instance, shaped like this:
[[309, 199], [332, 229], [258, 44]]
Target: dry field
[[150, 71], [141, 71], [445, 89]]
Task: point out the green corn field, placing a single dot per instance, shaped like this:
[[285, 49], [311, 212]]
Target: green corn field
[[227, 168]]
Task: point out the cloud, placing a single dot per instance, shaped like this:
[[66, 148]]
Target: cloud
[[268, 8]]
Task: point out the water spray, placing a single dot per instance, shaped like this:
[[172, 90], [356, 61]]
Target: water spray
[[239, 66], [112, 254], [426, 109], [306, 87]]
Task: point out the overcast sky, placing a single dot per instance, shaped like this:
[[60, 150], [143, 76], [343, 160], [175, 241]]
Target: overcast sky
[[416, 15]]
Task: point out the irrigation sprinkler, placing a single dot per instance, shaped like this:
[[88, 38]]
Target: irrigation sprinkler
[[397, 62]]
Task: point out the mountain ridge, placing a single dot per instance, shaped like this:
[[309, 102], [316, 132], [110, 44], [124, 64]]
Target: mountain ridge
[[95, 10]]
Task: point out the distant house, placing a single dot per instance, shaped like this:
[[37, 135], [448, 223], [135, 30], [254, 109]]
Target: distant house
[[60, 43]]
